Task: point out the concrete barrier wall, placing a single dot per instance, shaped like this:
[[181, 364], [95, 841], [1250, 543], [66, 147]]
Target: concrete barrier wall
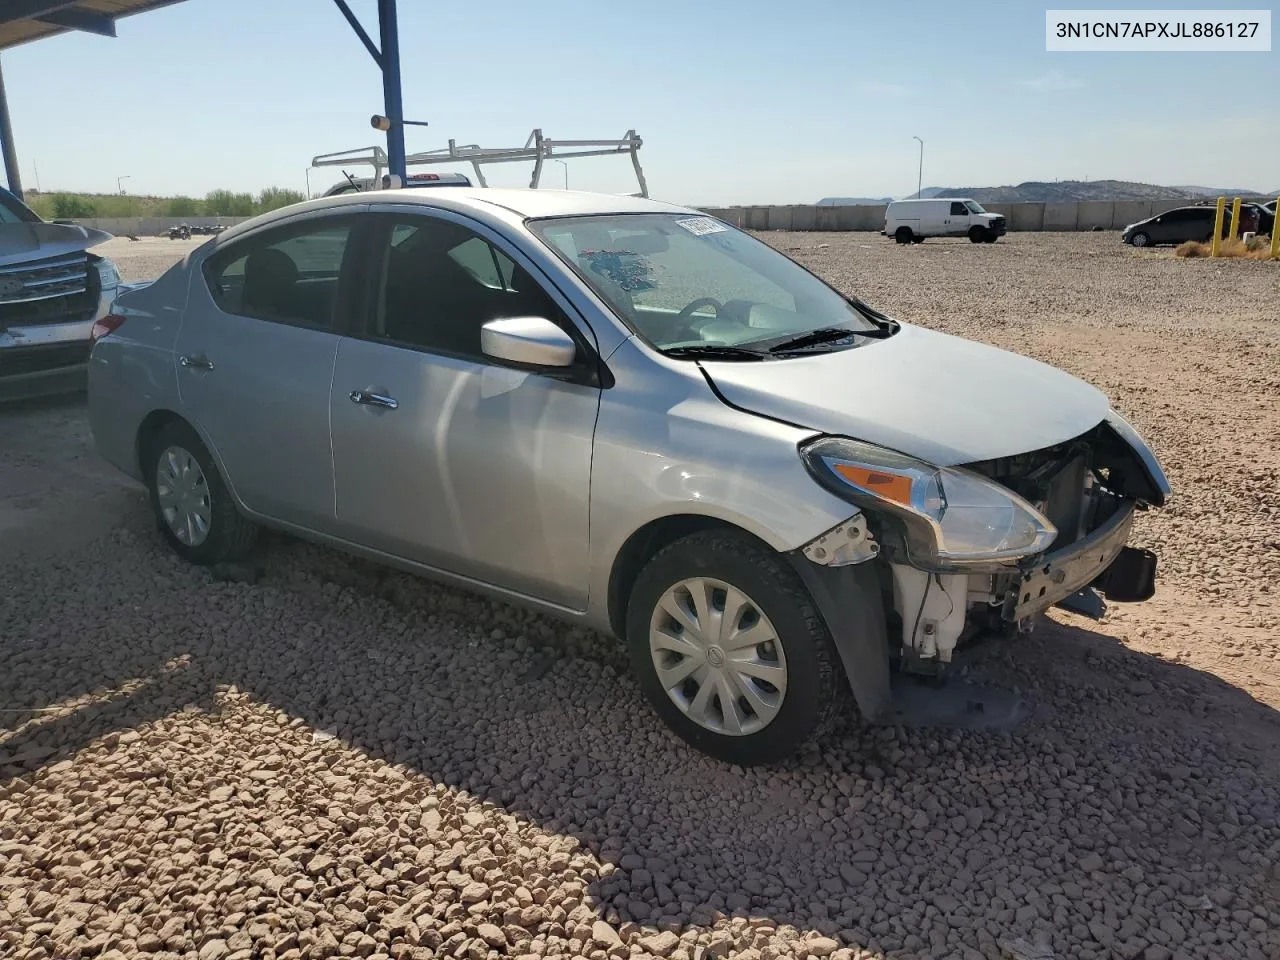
[[1084, 215]]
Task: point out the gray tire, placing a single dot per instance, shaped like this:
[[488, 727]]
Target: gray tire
[[767, 648], [192, 504]]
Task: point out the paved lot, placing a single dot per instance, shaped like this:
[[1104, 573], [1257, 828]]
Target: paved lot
[[342, 760]]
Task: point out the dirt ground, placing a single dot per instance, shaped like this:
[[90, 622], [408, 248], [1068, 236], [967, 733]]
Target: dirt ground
[[339, 760]]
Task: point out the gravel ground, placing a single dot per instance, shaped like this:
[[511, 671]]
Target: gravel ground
[[339, 760]]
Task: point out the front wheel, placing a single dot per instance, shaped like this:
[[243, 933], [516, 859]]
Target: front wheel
[[976, 234], [1140, 240], [730, 649], [193, 507], [990, 237]]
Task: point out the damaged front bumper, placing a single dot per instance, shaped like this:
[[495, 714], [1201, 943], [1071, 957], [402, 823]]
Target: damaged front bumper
[[1058, 575]]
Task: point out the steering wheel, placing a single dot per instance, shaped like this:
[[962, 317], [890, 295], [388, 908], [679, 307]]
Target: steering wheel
[[684, 318]]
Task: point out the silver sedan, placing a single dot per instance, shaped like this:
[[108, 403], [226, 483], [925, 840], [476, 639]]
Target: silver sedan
[[632, 416]]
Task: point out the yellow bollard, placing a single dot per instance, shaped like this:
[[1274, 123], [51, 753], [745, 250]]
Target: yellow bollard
[[1235, 218], [1217, 227], [1275, 233]]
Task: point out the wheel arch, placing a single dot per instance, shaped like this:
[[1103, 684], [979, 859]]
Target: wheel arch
[[150, 428], [640, 547], [849, 599]]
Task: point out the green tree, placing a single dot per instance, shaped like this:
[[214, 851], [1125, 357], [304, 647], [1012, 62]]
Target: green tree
[[273, 198], [71, 206]]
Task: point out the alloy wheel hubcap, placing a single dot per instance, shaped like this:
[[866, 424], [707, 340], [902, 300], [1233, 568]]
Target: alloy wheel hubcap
[[183, 495], [718, 656]]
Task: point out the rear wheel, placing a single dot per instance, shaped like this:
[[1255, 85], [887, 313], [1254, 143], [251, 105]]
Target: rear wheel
[[192, 505], [730, 650], [903, 235]]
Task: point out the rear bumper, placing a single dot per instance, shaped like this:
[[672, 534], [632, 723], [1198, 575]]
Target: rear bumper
[[1060, 574], [44, 383]]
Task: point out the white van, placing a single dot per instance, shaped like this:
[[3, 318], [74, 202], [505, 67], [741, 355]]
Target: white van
[[910, 221]]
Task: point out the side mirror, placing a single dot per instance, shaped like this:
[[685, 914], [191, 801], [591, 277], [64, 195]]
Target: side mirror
[[530, 341]]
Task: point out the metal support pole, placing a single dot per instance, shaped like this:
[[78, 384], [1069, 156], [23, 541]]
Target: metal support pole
[[6, 145], [537, 161], [1275, 232], [1216, 246], [635, 162], [390, 50]]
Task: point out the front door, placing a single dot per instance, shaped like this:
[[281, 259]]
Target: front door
[[957, 219], [443, 456], [255, 359]]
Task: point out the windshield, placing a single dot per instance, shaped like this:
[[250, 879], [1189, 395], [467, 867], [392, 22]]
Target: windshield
[[974, 207], [681, 281]]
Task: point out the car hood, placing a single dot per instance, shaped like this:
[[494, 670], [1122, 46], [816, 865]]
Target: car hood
[[20, 242], [935, 397]]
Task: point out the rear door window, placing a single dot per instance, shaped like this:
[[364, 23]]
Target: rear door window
[[288, 275]]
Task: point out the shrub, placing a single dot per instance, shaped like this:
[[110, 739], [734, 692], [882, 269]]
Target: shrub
[[273, 198], [69, 206], [1259, 248]]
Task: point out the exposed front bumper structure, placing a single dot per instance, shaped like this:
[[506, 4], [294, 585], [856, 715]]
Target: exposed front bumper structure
[[1060, 574]]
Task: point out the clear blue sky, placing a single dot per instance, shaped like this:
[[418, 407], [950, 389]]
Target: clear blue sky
[[737, 100]]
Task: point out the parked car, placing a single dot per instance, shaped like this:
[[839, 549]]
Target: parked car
[[1267, 223], [1176, 226], [361, 184], [911, 221], [1254, 218], [632, 416], [52, 290]]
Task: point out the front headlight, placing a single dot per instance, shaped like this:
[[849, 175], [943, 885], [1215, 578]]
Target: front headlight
[[950, 516], [108, 275]]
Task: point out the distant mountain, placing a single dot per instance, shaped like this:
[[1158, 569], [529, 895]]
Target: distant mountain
[[1065, 191], [854, 201]]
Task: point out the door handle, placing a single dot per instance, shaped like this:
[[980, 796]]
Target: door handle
[[374, 399], [196, 362]]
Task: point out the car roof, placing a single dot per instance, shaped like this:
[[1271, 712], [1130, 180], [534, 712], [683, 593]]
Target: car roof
[[524, 203]]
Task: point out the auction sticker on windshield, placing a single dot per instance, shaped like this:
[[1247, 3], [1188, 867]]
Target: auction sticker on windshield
[[701, 226]]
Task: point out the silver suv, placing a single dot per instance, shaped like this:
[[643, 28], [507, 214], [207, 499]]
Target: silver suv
[[632, 416], [52, 290]]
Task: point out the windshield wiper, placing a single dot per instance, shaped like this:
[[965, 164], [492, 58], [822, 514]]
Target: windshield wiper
[[713, 351], [826, 335]]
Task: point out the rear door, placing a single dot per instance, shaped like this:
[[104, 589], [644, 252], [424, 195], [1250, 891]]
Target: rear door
[[255, 359], [445, 456]]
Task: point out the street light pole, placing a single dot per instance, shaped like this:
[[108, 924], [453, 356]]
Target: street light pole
[[566, 172], [120, 184], [920, 170]]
